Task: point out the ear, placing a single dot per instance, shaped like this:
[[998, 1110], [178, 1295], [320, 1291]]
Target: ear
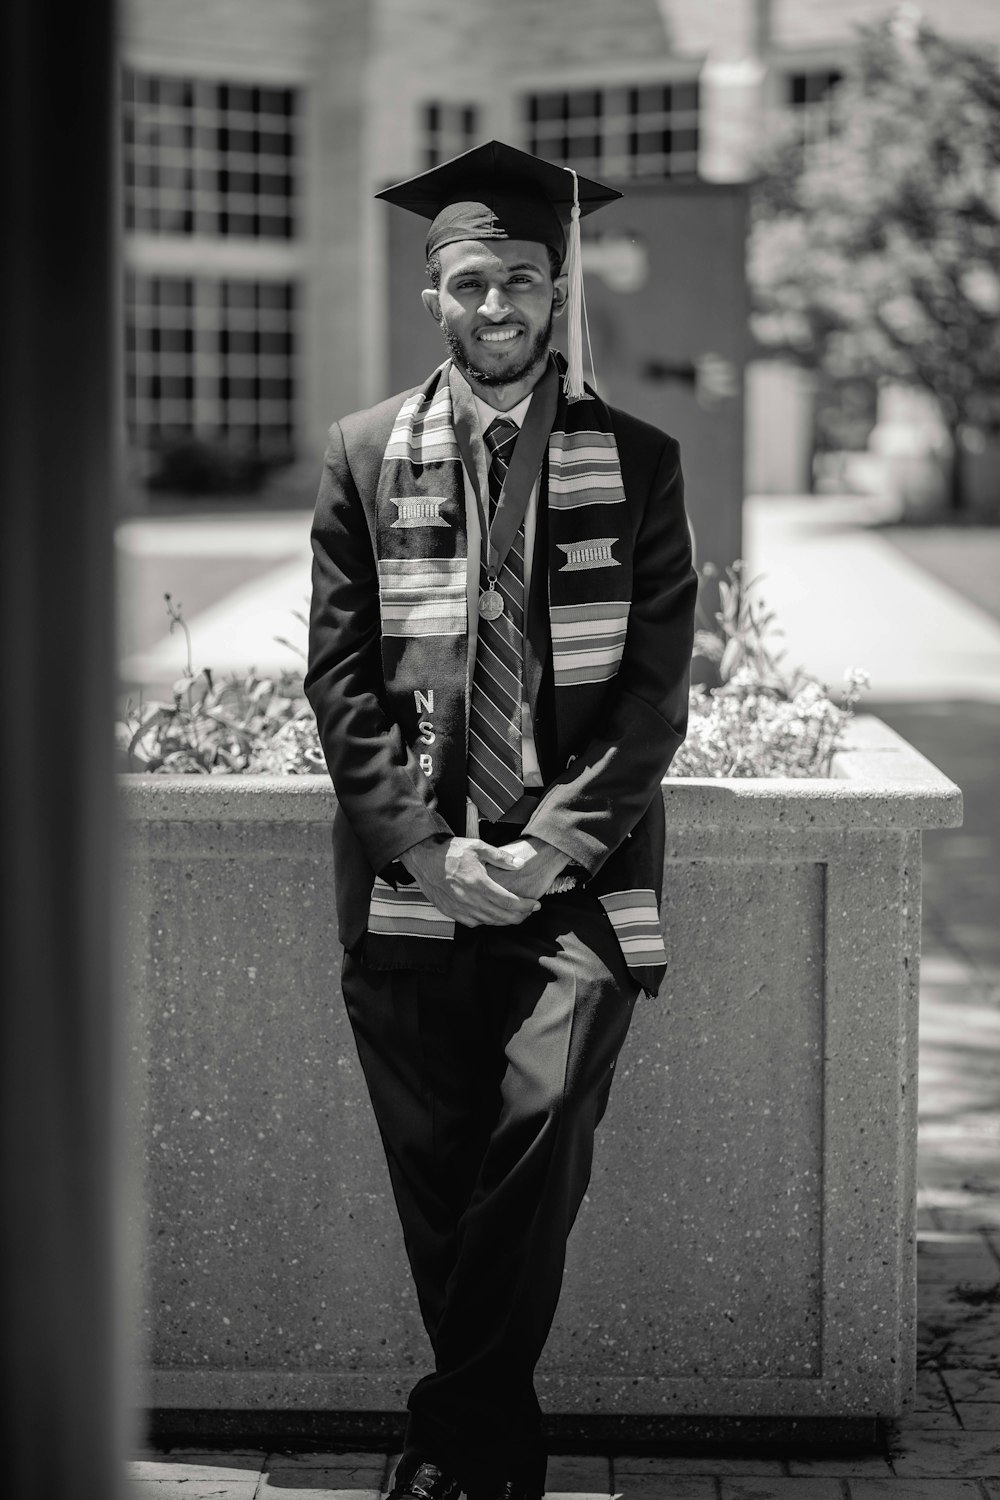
[[431, 298], [560, 291]]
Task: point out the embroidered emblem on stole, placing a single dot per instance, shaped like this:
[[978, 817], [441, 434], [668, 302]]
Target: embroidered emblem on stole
[[593, 554], [419, 510]]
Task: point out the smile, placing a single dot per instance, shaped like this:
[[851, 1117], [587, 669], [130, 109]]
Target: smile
[[499, 335]]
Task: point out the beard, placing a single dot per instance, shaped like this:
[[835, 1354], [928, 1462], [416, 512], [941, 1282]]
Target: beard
[[535, 353]]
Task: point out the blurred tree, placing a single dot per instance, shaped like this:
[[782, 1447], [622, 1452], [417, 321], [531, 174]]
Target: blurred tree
[[875, 252]]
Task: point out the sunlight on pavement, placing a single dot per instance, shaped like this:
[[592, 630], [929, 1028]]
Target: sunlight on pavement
[[845, 597], [242, 605]]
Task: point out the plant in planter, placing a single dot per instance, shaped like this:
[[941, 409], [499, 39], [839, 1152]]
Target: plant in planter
[[214, 726], [763, 719]]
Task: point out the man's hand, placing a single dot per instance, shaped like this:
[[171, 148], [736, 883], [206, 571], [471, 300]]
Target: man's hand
[[537, 865], [453, 875]]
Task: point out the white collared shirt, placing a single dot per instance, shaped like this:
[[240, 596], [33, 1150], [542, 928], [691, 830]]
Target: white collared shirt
[[517, 414]]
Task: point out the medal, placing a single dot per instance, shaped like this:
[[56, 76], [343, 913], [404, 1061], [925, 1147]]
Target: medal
[[490, 604]]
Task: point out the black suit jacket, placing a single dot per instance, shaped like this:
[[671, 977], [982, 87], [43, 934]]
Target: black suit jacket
[[601, 762]]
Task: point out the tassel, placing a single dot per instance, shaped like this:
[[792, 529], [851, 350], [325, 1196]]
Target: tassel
[[471, 819], [573, 382]]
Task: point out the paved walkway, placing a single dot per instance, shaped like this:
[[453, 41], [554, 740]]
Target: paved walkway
[[241, 581], [847, 596], [934, 1466]]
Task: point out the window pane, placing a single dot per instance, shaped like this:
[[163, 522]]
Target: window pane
[[173, 292], [651, 99], [175, 91], [584, 105], [551, 107], [273, 101], [178, 131], [446, 129], [684, 96], [239, 294], [173, 387], [273, 295], [583, 147], [193, 364]]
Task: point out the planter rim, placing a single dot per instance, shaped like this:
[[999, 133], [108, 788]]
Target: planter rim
[[879, 781]]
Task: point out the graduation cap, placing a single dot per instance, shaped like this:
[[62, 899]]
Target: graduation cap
[[495, 192]]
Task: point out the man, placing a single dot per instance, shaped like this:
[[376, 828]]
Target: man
[[500, 640]]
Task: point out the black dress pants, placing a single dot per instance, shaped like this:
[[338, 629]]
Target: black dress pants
[[488, 1083]]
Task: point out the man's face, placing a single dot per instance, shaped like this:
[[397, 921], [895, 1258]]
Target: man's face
[[495, 305]]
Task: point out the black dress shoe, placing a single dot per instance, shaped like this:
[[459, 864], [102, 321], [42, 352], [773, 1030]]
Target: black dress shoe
[[424, 1481]]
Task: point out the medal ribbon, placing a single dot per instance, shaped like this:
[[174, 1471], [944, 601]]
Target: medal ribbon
[[499, 534]]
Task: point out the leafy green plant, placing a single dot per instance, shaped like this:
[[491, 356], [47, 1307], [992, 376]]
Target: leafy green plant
[[242, 722], [763, 719]]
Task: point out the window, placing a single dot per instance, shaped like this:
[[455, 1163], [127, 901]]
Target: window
[[805, 89], [448, 130], [649, 130], [808, 95], [210, 357], [204, 157]]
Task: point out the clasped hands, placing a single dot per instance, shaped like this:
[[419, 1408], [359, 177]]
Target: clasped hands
[[480, 885]]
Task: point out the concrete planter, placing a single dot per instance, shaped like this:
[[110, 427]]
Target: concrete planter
[[747, 1246]]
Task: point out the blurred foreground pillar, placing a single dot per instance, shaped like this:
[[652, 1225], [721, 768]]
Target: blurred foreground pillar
[[58, 1073]]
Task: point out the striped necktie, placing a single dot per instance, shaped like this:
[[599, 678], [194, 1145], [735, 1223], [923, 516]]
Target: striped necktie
[[494, 768]]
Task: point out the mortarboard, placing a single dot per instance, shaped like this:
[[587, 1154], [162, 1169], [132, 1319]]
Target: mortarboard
[[495, 192]]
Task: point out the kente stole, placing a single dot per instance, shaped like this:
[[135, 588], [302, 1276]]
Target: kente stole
[[422, 552]]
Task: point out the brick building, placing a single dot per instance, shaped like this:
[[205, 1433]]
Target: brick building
[[256, 131]]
